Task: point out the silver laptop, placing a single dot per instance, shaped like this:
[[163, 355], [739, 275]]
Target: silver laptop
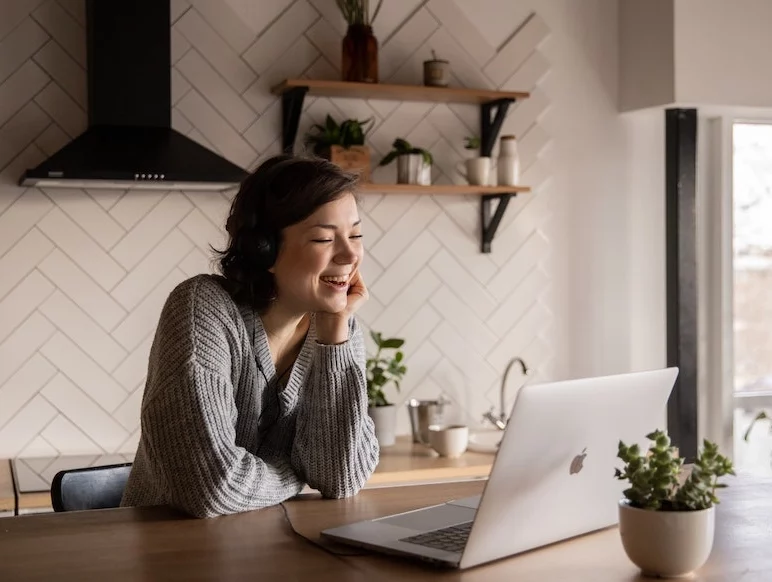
[[552, 478]]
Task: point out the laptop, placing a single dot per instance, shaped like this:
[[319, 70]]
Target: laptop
[[552, 477]]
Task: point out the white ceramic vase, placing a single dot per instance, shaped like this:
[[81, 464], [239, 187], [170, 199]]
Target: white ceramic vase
[[508, 162], [668, 544], [385, 421]]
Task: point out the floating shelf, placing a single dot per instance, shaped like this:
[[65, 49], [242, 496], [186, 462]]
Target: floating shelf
[[450, 189], [396, 92], [493, 109]]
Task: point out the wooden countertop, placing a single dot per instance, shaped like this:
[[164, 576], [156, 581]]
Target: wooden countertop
[[405, 463], [7, 495], [408, 462], [137, 544]]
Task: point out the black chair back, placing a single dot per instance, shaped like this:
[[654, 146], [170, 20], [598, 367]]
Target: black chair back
[[89, 488]]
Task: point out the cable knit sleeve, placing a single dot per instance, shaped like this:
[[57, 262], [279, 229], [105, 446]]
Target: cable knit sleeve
[[335, 449], [188, 420]]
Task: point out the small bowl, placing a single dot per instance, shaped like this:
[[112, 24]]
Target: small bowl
[[449, 440]]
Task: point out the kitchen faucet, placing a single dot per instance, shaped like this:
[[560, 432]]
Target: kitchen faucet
[[500, 422]]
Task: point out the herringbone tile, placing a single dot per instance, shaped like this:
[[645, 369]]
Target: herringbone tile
[[86, 273]]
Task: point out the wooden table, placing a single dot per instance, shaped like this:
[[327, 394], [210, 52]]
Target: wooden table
[[401, 464], [160, 544]]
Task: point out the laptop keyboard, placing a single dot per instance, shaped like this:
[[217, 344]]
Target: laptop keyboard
[[450, 539]]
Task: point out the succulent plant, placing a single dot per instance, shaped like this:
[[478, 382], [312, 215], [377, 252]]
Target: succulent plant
[[472, 143], [654, 476]]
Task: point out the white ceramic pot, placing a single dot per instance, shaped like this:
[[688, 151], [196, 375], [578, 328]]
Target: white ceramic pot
[[385, 421], [478, 171], [668, 544], [411, 169]]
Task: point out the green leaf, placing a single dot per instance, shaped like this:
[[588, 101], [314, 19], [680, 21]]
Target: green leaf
[[388, 158], [393, 343]]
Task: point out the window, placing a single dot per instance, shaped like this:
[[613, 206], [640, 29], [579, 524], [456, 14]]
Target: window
[[752, 293]]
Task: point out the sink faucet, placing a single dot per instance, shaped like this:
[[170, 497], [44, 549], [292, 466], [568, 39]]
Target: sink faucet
[[500, 422]]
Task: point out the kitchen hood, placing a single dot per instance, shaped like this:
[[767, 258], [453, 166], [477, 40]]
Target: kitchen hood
[[129, 142]]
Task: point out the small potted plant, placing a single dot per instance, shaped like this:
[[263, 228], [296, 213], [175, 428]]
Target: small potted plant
[[478, 168], [381, 370], [344, 144], [414, 164], [667, 521]]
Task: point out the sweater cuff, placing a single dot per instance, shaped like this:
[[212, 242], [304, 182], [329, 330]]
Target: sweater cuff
[[335, 358]]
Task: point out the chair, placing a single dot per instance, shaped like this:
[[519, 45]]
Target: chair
[[89, 488]]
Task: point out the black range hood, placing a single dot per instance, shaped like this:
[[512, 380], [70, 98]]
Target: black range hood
[[129, 142]]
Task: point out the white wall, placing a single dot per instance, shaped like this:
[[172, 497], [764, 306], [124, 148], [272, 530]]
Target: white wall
[[87, 272]]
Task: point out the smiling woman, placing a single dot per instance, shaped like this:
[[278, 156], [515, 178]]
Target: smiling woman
[[256, 382]]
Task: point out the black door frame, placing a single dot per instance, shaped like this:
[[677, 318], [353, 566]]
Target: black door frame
[[681, 281]]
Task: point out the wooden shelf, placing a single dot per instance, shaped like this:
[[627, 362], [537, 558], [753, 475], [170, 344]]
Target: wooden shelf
[[385, 91], [449, 189], [493, 109]]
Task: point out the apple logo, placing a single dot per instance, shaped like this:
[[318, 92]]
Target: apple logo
[[578, 463]]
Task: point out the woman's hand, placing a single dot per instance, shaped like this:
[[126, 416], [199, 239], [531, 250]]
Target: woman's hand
[[332, 328]]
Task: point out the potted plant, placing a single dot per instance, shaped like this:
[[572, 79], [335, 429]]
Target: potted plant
[[478, 168], [344, 144], [381, 370], [667, 521], [359, 61], [414, 164]]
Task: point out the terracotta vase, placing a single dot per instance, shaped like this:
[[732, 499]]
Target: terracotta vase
[[360, 55]]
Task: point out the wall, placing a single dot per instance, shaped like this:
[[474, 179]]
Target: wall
[[86, 273]]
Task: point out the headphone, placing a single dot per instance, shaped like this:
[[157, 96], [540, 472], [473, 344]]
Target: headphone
[[266, 249], [266, 245]]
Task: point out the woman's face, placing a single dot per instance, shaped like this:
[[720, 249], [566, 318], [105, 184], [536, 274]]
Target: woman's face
[[317, 258]]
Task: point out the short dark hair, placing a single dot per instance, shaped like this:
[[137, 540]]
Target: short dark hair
[[282, 191]]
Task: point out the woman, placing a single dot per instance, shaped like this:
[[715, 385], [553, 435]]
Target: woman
[[256, 379]]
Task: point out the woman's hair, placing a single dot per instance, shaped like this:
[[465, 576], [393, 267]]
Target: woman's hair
[[282, 191]]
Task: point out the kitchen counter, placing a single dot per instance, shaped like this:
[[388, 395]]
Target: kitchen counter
[[7, 495], [405, 463]]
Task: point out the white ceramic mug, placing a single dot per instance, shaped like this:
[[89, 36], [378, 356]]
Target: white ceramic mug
[[449, 440], [478, 171]]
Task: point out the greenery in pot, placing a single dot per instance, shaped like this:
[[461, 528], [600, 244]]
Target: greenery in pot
[[351, 132], [472, 143], [402, 147], [357, 12], [382, 369], [653, 476]]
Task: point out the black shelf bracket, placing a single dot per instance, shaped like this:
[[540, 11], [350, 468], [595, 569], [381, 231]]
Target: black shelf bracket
[[490, 224], [492, 116], [291, 108]]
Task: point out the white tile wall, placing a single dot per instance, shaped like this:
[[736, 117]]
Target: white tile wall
[[84, 274]]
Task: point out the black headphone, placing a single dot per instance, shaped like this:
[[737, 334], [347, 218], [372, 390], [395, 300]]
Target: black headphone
[[267, 241], [266, 249]]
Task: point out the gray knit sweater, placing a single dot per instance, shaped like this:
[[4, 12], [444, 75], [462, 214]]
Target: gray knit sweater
[[217, 440]]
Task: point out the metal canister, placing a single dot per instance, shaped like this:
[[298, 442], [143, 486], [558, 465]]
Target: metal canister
[[423, 414]]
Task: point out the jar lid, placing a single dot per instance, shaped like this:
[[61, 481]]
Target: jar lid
[[507, 137]]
